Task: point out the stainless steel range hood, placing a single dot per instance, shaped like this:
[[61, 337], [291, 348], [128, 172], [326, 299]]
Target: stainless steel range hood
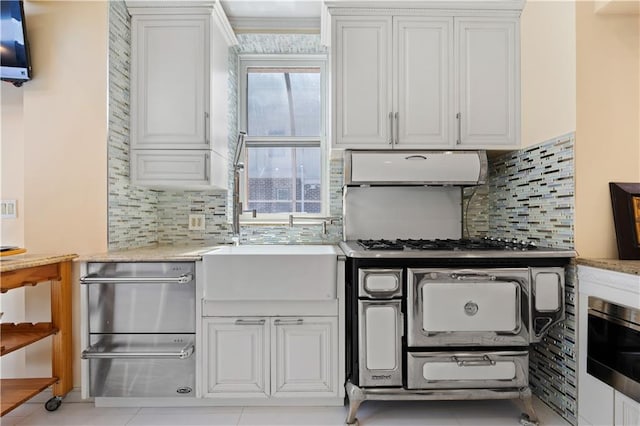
[[459, 168]]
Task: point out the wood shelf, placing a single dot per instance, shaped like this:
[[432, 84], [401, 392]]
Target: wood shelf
[[14, 392], [16, 336], [23, 270]]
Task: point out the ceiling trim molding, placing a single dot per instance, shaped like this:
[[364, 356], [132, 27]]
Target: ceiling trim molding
[[224, 25]]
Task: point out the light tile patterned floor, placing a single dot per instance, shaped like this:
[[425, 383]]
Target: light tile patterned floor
[[371, 413]]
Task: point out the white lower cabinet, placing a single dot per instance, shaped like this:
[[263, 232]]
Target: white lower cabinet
[[270, 357], [626, 410], [236, 357]]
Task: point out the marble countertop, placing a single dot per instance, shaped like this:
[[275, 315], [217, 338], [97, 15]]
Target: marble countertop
[[28, 260], [624, 266], [154, 253]]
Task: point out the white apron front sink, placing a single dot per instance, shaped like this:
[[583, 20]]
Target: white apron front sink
[[270, 272]]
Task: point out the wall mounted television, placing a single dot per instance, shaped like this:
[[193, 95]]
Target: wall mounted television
[[15, 64]]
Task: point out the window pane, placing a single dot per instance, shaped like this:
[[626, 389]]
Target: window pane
[[284, 179], [283, 102]]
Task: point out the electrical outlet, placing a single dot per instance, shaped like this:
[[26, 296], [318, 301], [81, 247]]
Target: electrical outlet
[[9, 209], [196, 222]]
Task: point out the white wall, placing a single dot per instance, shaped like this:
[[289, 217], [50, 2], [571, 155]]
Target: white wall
[[548, 63], [54, 149], [608, 121]]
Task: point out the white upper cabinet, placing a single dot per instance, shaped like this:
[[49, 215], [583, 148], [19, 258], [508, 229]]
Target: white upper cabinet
[[425, 79], [423, 107], [170, 88], [362, 82], [489, 84], [179, 95]]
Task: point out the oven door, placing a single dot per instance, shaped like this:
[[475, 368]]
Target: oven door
[[479, 307], [613, 346], [380, 325], [464, 370]]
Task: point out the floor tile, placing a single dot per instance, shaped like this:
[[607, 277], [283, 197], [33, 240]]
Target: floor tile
[[284, 416], [409, 413], [370, 413], [10, 420], [23, 410], [182, 420]]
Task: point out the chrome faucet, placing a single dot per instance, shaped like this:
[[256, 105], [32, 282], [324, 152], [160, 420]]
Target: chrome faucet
[[322, 221], [237, 204]]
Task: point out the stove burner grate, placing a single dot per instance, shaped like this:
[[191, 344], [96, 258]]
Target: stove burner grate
[[464, 244]]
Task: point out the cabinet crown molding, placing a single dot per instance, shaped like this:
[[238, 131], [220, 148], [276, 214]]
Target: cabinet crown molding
[[514, 5], [186, 7]]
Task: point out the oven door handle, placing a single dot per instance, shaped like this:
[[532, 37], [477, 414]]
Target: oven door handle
[[616, 320], [472, 276], [184, 353], [93, 279], [474, 361]]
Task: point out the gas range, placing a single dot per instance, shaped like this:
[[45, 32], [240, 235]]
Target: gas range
[[430, 314], [448, 248]]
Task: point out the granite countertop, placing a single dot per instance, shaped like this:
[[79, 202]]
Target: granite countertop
[[28, 260], [158, 253], [624, 266]]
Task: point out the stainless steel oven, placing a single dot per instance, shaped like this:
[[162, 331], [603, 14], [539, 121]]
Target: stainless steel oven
[[613, 346], [140, 329]]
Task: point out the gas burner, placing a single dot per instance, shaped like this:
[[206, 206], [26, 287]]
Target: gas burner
[[506, 244], [381, 245]]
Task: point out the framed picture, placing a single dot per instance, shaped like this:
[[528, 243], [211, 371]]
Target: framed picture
[[625, 200]]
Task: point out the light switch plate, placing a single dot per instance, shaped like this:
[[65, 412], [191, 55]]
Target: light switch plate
[[9, 209]]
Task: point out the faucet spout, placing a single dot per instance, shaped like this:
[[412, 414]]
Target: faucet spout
[[236, 208]]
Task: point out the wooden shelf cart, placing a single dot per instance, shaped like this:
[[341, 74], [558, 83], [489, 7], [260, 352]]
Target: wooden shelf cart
[[23, 270]]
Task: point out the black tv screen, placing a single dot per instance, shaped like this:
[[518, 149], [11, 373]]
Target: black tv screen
[[14, 48]]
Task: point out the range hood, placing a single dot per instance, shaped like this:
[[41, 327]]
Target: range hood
[[415, 167]]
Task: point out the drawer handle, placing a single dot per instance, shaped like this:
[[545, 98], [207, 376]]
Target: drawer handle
[[249, 322], [298, 321], [472, 276], [184, 353], [468, 362], [94, 279]]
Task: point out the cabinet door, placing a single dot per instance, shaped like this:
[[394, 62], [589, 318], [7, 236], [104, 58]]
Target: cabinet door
[[627, 411], [169, 82], [169, 167], [236, 357], [488, 82], [423, 58], [362, 82], [304, 357]]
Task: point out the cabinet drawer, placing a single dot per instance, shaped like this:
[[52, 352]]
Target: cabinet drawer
[[438, 370], [170, 167]]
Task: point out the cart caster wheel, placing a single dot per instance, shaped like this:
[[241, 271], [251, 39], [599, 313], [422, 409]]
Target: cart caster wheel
[[525, 421], [53, 404]]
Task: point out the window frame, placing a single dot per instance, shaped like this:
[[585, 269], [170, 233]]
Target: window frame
[[320, 61]]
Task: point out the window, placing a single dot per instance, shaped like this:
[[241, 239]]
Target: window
[[282, 110]]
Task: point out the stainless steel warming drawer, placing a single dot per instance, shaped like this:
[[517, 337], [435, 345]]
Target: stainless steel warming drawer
[[140, 330]]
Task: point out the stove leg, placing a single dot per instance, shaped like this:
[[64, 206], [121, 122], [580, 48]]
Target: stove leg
[[356, 397], [529, 417]]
